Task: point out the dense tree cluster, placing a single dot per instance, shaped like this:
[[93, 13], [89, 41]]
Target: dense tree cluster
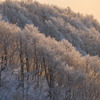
[[48, 53]]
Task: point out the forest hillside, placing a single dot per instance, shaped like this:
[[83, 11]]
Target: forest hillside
[[48, 53]]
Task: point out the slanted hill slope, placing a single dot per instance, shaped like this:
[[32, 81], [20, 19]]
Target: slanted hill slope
[[82, 31], [48, 53]]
